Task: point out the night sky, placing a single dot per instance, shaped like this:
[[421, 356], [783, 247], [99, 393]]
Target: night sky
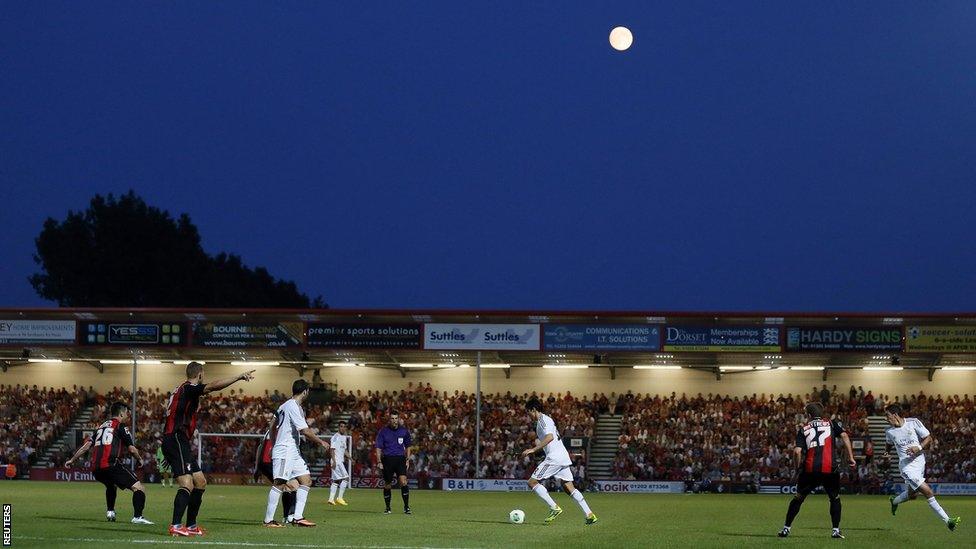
[[741, 156]]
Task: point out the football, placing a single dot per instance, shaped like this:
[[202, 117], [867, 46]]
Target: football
[[517, 516]]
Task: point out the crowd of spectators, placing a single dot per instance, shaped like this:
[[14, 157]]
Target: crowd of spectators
[[31, 418], [709, 438], [700, 438]]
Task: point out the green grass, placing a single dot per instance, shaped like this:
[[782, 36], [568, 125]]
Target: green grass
[[48, 514]]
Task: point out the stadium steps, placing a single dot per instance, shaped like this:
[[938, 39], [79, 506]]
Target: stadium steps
[[603, 447], [877, 425], [67, 441], [319, 464]]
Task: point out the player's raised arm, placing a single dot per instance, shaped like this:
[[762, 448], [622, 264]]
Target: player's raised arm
[[310, 433], [227, 382], [539, 445], [84, 448]]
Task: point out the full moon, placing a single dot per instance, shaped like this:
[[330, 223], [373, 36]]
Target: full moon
[[621, 38]]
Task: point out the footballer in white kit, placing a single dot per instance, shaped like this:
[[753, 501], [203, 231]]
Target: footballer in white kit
[[910, 438], [556, 464], [287, 465], [340, 476]]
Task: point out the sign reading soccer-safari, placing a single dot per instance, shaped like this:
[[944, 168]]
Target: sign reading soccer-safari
[[482, 337]]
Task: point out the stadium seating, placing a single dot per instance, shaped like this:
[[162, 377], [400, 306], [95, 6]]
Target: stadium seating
[[32, 417]]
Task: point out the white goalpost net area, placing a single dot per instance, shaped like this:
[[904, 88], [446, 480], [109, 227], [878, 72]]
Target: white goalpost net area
[[236, 453]]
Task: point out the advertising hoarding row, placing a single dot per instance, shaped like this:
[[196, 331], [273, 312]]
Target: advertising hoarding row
[[584, 338]]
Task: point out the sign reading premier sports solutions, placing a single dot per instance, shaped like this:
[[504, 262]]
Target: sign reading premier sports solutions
[[37, 332], [364, 336], [723, 339], [843, 339], [482, 337], [601, 337], [241, 334], [940, 339]]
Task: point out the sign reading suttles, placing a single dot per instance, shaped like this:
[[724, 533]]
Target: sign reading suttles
[[482, 337], [843, 339], [601, 337], [940, 339], [364, 336], [262, 334], [141, 333], [37, 332], [722, 339]]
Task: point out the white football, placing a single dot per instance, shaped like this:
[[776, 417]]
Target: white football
[[517, 516]]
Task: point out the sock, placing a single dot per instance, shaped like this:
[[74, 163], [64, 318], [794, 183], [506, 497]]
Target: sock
[[901, 498], [110, 493], [180, 502], [835, 513], [387, 495], [938, 509], [274, 496], [300, 498], [544, 494], [196, 498], [138, 502], [792, 511], [405, 494], [332, 491], [582, 502], [342, 488], [288, 499]]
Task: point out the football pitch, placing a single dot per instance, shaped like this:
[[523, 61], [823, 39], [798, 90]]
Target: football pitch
[[47, 514]]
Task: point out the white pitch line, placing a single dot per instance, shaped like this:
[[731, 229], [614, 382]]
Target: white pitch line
[[230, 543]]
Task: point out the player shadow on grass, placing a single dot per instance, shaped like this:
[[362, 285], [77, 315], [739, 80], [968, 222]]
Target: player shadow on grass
[[133, 530], [494, 522], [219, 520]]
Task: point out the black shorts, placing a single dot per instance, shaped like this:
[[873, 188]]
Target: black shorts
[[179, 454], [394, 466], [808, 482], [266, 471], [116, 475]]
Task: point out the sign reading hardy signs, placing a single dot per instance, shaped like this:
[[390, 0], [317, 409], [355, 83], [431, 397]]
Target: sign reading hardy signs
[[482, 337], [843, 339]]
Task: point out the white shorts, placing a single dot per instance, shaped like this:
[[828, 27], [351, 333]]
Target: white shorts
[[339, 471], [289, 468], [913, 471], [549, 469]]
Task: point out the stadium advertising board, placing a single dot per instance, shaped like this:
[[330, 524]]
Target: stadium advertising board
[[639, 487], [364, 336], [132, 334], [482, 337], [940, 339], [946, 488], [265, 334], [725, 339], [601, 337], [37, 332], [60, 474], [843, 339], [484, 485]]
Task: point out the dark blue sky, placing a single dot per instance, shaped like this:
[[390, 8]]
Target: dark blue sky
[[743, 155]]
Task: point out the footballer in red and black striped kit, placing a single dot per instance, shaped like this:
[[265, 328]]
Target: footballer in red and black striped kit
[[109, 441], [181, 422], [816, 442]]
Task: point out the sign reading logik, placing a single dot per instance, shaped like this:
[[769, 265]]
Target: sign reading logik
[[482, 337]]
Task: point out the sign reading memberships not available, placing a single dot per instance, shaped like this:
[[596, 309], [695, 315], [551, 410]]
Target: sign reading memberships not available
[[359, 336], [482, 337]]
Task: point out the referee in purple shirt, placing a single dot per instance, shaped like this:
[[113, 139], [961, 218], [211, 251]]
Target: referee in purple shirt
[[393, 454]]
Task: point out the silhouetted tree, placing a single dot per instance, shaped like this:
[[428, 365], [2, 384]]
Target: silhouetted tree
[[121, 252]]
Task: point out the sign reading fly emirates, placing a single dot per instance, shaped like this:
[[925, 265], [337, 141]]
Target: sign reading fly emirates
[[482, 337]]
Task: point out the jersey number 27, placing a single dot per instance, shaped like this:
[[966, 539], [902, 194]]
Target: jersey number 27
[[816, 436]]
